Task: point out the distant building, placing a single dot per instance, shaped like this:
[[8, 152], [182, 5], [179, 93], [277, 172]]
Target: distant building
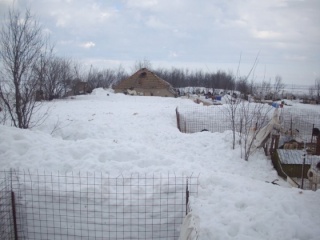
[[81, 87], [145, 83]]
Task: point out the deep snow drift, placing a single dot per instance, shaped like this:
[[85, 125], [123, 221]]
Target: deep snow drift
[[118, 134]]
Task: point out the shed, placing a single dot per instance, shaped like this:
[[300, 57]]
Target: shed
[[145, 83], [291, 162]]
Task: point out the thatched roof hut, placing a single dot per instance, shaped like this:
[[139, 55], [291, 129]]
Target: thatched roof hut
[[145, 83]]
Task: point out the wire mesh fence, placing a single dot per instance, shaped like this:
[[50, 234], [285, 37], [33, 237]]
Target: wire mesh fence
[[203, 118], [6, 211], [300, 122], [94, 206], [218, 118]]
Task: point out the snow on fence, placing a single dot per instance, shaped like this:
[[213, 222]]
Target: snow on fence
[[42, 205]]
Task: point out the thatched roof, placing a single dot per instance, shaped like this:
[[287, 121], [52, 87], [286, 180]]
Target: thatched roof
[[143, 78]]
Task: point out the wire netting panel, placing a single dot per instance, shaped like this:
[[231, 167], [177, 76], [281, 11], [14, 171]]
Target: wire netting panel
[[94, 206], [199, 118], [6, 218], [300, 121], [218, 118]]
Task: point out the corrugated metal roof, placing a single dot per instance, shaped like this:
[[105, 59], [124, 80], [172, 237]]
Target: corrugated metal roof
[[296, 157]]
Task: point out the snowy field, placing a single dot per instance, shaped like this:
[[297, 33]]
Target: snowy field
[[117, 134]]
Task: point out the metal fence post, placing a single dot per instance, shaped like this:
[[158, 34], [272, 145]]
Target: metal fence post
[[13, 205], [187, 197]]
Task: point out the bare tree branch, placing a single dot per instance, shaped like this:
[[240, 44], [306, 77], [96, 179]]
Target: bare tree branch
[[21, 43], [278, 86]]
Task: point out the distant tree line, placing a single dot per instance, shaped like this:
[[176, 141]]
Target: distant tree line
[[179, 78], [314, 91]]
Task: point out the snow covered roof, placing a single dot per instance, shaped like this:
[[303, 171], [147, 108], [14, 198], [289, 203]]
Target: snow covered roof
[[291, 156]]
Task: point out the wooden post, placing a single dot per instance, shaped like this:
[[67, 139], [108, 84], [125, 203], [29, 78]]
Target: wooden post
[[271, 145], [318, 146], [178, 119], [312, 133], [291, 129], [274, 143], [302, 174]]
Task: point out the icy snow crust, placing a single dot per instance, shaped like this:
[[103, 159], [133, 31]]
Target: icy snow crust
[[118, 134]]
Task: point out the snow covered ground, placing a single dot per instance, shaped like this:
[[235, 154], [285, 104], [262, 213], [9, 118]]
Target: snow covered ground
[[118, 134]]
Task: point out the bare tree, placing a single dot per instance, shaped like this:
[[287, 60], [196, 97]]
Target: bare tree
[[78, 72], [243, 86], [265, 91], [246, 118], [278, 86], [3, 113], [252, 118], [120, 74], [57, 79], [145, 63], [233, 102], [21, 43], [311, 91], [317, 88], [101, 78]]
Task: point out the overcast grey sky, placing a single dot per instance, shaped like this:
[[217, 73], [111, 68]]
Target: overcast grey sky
[[203, 34]]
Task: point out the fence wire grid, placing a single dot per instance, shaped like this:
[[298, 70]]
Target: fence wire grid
[[301, 120], [217, 119], [200, 118], [93, 206], [6, 211]]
